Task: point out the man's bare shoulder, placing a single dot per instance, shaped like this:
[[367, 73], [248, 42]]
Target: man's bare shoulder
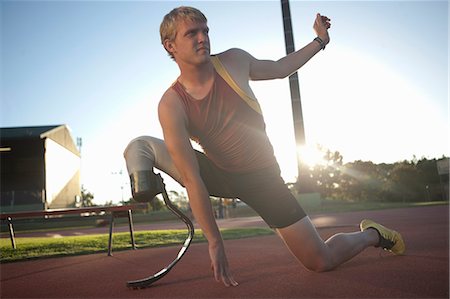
[[169, 93], [234, 54], [169, 98], [237, 62], [170, 108]]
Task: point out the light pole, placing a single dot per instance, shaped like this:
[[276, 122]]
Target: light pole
[[299, 129]]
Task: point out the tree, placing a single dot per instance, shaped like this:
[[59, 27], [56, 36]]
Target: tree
[[362, 180], [156, 204], [327, 175], [323, 177], [405, 183], [86, 198], [429, 177], [414, 180]]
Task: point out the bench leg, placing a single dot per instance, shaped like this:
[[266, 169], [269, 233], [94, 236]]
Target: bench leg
[[111, 225], [11, 233], [130, 223]]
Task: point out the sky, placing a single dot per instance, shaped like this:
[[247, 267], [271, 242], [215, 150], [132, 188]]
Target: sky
[[379, 91]]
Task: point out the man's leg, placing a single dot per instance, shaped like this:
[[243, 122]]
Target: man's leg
[[145, 152], [307, 246], [141, 155], [265, 191]]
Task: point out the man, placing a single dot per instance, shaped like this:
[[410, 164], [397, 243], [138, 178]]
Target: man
[[212, 103]]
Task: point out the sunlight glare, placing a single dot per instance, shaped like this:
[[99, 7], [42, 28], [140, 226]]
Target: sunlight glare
[[311, 155]]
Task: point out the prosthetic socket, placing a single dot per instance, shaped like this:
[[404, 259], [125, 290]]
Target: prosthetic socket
[[145, 185]]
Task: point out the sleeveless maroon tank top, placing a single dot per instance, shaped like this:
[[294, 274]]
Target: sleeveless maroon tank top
[[232, 135]]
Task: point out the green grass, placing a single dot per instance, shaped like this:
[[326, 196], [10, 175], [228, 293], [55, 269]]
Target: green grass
[[32, 248]]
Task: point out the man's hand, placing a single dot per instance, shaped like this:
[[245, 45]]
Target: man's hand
[[321, 26], [219, 265]]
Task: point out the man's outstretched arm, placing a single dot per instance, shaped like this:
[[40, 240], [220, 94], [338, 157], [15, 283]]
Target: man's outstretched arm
[[173, 121], [269, 69]]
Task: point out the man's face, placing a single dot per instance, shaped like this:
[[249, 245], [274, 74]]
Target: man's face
[[191, 43]]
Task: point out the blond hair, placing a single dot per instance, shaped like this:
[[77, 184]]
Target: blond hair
[[168, 28]]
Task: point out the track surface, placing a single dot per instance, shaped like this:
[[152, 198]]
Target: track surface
[[262, 265]]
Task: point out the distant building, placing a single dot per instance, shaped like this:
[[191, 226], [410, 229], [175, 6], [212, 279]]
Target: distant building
[[40, 168]]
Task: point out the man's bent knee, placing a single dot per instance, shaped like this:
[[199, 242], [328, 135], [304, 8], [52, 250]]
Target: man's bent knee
[[307, 246], [139, 155], [145, 152], [320, 264]]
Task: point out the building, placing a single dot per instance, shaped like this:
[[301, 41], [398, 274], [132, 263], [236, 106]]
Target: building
[[40, 168]]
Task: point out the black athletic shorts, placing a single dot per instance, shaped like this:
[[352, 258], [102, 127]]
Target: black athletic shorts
[[263, 190]]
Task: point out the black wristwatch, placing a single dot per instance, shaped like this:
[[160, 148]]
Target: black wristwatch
[[321, 43]]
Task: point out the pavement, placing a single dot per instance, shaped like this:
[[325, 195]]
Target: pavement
[[263, 266]]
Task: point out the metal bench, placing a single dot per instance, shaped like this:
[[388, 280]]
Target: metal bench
[[114, 211]]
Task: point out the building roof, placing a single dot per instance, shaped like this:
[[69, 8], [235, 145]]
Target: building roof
[[58, 133], [25, 132]]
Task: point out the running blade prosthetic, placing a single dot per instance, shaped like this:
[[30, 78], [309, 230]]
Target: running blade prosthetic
[[148, 186]]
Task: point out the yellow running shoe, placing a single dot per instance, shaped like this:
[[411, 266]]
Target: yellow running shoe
[[389, 239]]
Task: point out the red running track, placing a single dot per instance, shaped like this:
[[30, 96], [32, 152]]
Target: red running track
[[262, 265]]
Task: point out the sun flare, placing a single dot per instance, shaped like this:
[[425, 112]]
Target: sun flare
[[311, 155]]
